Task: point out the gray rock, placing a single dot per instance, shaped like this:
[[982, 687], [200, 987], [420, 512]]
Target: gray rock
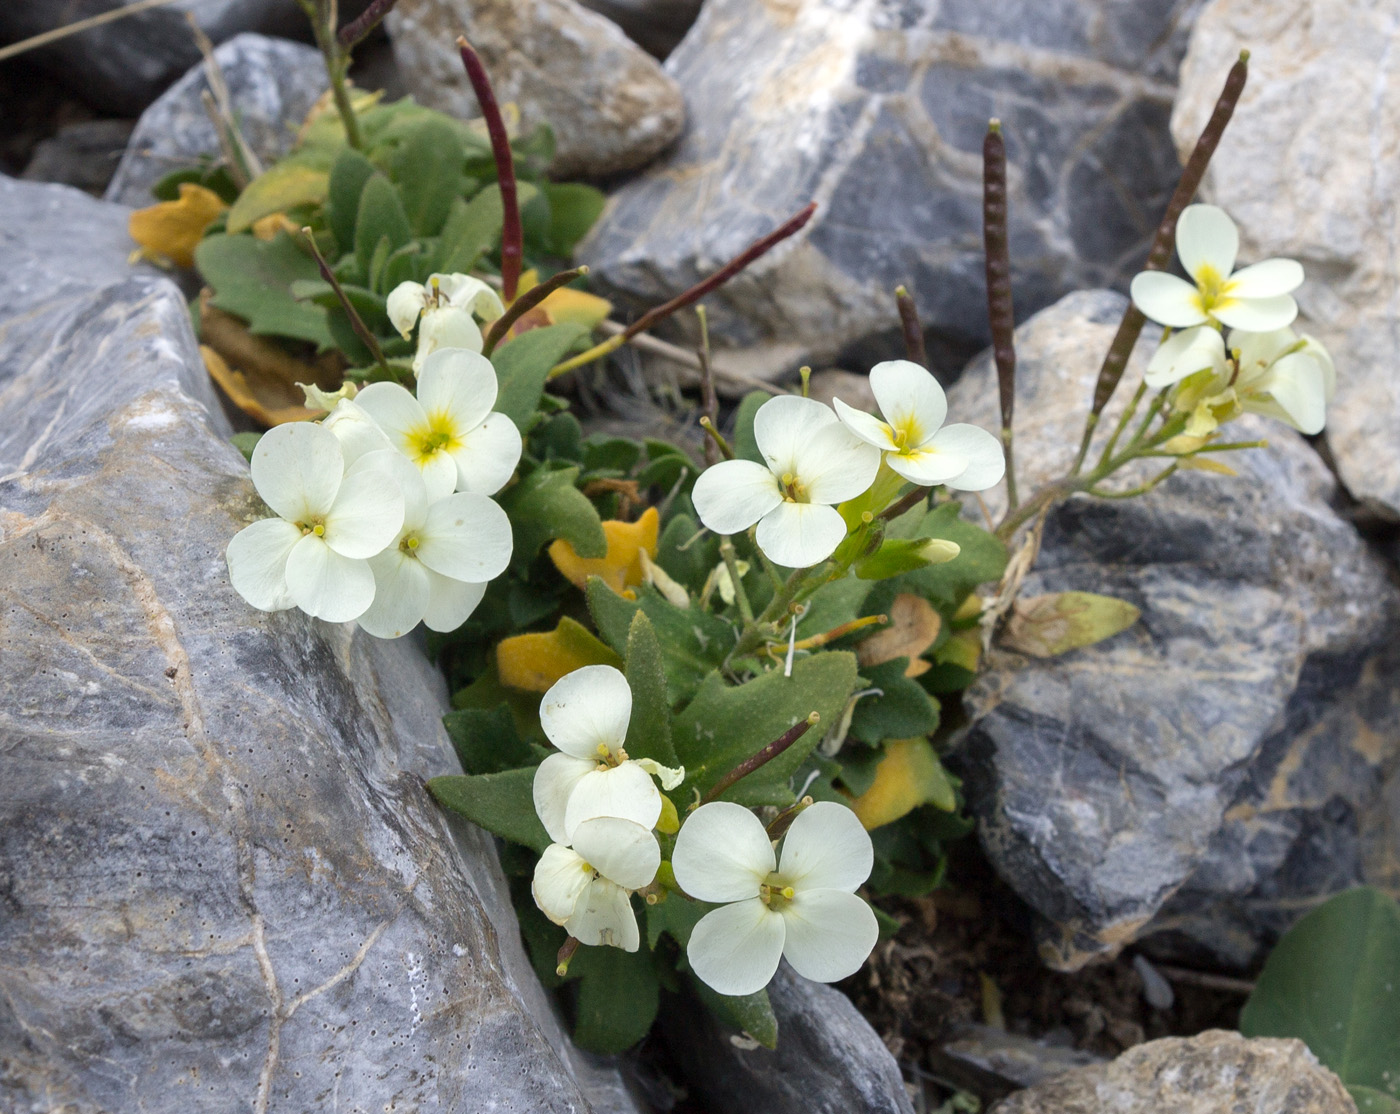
[[877, 110], [1206, 1074], [272, 85], [1206, 776], [655, 25], [1308, 168], [828, 1059], [986, 1059], [610, 105], [83, 155], [223, 882], [122, 66]]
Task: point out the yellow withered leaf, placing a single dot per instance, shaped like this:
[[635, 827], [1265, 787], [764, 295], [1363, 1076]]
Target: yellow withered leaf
[[622, 567], [535, 661], [909, 775], [914, 626], [1044, 626], [282, 186], [171, 229]]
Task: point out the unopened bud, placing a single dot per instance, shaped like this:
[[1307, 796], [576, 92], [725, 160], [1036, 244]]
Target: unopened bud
[[939, 551], [669, 822]]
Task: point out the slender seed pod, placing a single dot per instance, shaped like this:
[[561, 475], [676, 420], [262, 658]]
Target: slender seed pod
[[1000, 314], [512, 238], [911, 327]]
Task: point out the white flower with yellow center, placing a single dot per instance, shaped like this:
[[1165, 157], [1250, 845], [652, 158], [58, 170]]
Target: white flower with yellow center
[[314, 555], [446, 310], [587, 887], [436, 570], [449, 430], [585, 714], [357, 432], [804, 909], [1257, 298], [812, 462], [916, 443]]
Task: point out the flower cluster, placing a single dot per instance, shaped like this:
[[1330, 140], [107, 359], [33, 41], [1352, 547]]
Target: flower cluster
[[1263, 366], [383, 510], [445, 311], [815, 457]]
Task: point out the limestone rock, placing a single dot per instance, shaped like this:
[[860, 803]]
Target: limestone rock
[[877, 110], [272, 84], [223, 881], [122, 66], [1206, 1074], [609, 103], [83, 155], [828, 1060], [1205, 776], [655, 25], [984, 1058], [1309, 168]]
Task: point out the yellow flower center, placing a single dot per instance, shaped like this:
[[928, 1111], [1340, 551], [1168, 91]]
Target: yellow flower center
[[1212, 289], [440, 434], [906, 433], [312, 526], [409, 545], [775, 893], [794, 490]]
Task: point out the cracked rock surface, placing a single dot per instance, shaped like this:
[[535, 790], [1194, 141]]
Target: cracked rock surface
[[222, 884]]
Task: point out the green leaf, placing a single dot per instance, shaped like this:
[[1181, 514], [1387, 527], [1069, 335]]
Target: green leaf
[[725, 724], [617, 998], [751, 1013], [744, 445], [649, 732], [474, 228], [693, 643], [252, 279], [522, 367], [833, 604], [401, 266], [1370, 1101], [692, 564], [503, 803], [349, 173], [983, 558], [546, 505], [903, 711], [894, 557], [380, 218], [573, 207], [486, 740], [245, 443], [283, 186], [1045, 626], [675, 916], [428, 171], [1333, 982]]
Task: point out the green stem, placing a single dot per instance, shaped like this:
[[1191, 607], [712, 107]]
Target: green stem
[[731, 562], [1123, 421], [1132, 492]]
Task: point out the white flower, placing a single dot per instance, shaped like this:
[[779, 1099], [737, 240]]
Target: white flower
[[585, 715], [357, 432], [805, 909], [448, 306], [1255, 298], [314, 556], [916, 443], [436, 570], [449, 429], [586, 887], [813, 461], [1184, 354]]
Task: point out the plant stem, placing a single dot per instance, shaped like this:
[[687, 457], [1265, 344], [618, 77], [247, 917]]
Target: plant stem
[[512, 237], [762, 758], [731, 562], [522, 305], [1132, 492], [356, 322], [913, 499], [1123, 421], [1000, 313], [709, 401], [354, 32], [322, 14]]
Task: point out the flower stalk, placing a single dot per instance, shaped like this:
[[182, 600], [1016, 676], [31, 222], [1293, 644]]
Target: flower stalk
[[512, 235], [762, 758], [500, 328], [356, 322]]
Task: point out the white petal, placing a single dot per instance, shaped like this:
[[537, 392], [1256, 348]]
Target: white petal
[[400, 595], [735, 949], [1266, 279], [445, 329], [297, 468], [356, 431], [466, 537], [1205, 237], [257, 563], [404, 304], [1297, 384], [669, 776], [835, 465], [801, 534], [604, 917], [471, 294], [986, 463], [458, 387], [1167, 299], [401, 471], [561, 876], [928, 466], [722, 853], [439, 473], [1185, 353], [784, 424], [587, 708], [366, 516], [396, 412], [326, 585], [1258, 315], [828, 934], [1258, 350], [625, 792], [450, 602], [867, 427], [732, 495], [487, 456], [1318, 352], [910, 398], [619, 850], [555, 780], [826, 849]]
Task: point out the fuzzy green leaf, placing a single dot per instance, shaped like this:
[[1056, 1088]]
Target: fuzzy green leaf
[[693, 643], [617, 998], [522, 367], [573, 207], [252, 279], [983, 559], [649, 732], [745, 447], [283, 186], [245, 443], [902, 711], [428, 171], [691, 564], [750, 1013], [349, 173], [380, 219], [502, 803], [486, 739], [546, 505], [1370, 1101]]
